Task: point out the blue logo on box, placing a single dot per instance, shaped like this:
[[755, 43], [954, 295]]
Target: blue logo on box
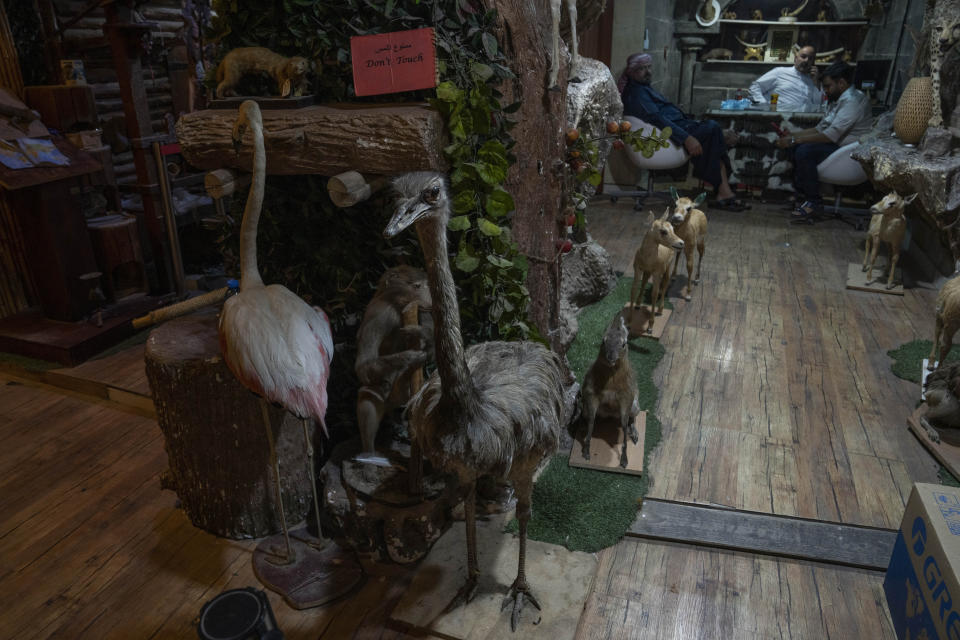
[[950, 510]]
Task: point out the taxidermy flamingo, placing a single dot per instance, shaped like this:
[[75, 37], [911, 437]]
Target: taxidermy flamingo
[[495, 408], [276, 344]]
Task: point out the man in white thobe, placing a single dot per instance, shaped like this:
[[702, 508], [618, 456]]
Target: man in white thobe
[[795, 85]]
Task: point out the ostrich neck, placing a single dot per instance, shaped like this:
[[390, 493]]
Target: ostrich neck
[[249, 273], [451, 362]]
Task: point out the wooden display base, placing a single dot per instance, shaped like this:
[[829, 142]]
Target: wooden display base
[[637, 323], [314, 577], [560, 579], [605, 446], [857, 279], [264, 102], [947, 454]]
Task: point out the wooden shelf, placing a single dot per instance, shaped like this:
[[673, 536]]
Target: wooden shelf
[[850, 23]]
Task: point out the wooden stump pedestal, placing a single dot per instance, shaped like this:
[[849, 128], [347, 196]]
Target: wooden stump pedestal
[[215, 437]]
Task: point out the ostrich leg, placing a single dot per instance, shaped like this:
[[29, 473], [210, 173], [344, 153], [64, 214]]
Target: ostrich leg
[[469, 589], [520, 590], [321, 541], [288, 557]]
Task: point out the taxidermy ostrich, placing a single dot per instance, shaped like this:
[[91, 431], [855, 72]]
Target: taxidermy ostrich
[[495, 408], [276, 344]]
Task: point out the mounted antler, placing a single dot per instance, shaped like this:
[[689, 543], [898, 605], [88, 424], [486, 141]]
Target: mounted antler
[[793, 14], [829, 54], [759, 45]]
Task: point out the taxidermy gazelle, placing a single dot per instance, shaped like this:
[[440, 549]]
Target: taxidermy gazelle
[[555, 23], [690, 225], [652, 262], [889, 225]]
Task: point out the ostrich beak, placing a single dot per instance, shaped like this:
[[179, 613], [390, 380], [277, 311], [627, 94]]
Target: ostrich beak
[[408, 211]]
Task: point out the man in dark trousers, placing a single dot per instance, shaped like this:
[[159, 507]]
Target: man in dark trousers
[[703, 140], [847, 118]]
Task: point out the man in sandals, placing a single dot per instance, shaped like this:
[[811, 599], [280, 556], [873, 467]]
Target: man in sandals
[[703, 139], [847, 118]]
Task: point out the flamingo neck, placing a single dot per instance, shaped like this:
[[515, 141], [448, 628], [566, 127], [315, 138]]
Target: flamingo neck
[[456, 384], [249, 273]]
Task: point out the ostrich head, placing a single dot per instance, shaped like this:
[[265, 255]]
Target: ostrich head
[[248, 114], [420, 194]]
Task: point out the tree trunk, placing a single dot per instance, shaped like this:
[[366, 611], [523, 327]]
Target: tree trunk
[[215, 437], [535, 180]]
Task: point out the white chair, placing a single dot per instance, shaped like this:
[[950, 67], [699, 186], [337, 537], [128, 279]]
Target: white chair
[[671, 157], [840, 170]]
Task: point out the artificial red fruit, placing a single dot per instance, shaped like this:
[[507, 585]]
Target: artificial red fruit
[[572, 136], [624, 126], [618, 144], [564, 246], [571, 220], [612, 127]]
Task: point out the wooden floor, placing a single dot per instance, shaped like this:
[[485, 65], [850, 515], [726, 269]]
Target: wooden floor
[[776, 396]]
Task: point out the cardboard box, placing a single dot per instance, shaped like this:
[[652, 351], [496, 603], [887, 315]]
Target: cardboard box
[[922, 586]]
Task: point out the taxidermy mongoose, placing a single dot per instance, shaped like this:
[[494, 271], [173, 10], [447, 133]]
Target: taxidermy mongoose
[[610, 387], [690, 225], [652, 262], [887, 224], [947, 313]]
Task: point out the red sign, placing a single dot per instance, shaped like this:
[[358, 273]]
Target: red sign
[[393, 62]]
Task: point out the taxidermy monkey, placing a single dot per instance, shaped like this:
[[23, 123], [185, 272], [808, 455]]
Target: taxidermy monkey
[[290, 74], [388, 352], [610, 387]]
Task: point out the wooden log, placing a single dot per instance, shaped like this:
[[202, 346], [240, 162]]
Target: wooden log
[[223, 182], [348, 188], [217, 450], [324, 140]]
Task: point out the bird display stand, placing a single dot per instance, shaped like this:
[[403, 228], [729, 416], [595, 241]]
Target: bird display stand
[[638, 321], [946, 453], [606, 445], [857, 279], [213, 432], [373, 508], [562, 580]]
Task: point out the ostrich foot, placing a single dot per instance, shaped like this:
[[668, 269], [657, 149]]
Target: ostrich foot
[[933, 433], [465, 594], [519, 592]]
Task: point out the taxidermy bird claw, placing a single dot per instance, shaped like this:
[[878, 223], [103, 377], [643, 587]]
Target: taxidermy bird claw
[[464, 595], [518, 593]]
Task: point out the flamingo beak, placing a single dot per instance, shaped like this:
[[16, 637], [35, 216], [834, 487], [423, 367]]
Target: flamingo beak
[[408, 211]]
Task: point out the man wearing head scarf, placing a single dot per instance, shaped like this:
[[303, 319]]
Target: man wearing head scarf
[[703, 140]]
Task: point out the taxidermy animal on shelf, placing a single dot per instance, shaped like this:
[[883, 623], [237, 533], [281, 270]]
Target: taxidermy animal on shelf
[[387, 351], [752, 51], [786, 15], [555, 41], [277, 345], [610, 388], [652, 262], [888, 224], [941, 389], [718, 54], [757, 15], [690, 225], [946, 321], [290, 74], [495, 408]]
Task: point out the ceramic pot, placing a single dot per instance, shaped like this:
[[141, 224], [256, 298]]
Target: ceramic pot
[[914, 110]]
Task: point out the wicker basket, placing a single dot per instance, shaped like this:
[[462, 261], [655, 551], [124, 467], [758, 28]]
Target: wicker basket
[[914, 110]]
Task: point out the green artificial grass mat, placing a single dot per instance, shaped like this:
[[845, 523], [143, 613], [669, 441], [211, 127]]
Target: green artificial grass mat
[[31, 365], [583, 509], [908, 358]]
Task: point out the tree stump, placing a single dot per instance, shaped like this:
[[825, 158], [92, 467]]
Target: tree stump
[[217, 449]]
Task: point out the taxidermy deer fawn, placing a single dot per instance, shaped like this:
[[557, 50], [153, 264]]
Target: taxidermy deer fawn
[[610, 387], [652, 262], [690, 225], [947, 321], [887, 224]]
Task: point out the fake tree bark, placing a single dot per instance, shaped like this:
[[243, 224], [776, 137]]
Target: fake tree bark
[[535, 181]]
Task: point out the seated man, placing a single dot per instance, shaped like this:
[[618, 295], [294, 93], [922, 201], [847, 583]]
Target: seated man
[[794, 85], [703, 140], [848, 117]]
